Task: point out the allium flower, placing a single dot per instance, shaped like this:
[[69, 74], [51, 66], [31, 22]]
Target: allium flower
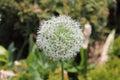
[[60, 38]]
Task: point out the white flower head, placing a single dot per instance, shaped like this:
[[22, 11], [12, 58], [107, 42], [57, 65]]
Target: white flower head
[[60, 38]]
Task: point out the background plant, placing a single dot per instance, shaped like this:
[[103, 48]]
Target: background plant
[[109, 71], [21, 18], [115, 47]]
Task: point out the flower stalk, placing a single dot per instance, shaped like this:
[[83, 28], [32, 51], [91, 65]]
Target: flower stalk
[[62, 70]]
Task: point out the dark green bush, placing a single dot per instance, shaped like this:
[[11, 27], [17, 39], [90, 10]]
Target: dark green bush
[[18, 22]]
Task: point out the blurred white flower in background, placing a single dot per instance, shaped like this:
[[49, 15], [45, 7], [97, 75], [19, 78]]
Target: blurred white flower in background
[[87, 32], [5, 74], [60, 38]]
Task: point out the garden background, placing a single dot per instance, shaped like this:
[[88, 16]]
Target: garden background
[[21, 59]]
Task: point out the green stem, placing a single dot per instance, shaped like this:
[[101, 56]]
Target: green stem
[[62, 68], [84, 62]]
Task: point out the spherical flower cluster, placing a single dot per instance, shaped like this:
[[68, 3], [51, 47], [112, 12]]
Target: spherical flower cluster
[[60, 38]]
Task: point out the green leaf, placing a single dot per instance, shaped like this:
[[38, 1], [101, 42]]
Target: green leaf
[[11, 49], [3, 57]]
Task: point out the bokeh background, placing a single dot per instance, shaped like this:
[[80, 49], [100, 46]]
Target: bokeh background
[[20, 58]]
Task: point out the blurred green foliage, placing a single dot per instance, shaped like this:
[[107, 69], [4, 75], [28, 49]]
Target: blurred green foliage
[[110, 71], [38, 66], [3, 57], [115, 47], [18, 22]]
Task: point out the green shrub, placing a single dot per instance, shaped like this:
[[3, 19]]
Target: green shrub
[[115, 47], [18, 21], [109, 71]]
